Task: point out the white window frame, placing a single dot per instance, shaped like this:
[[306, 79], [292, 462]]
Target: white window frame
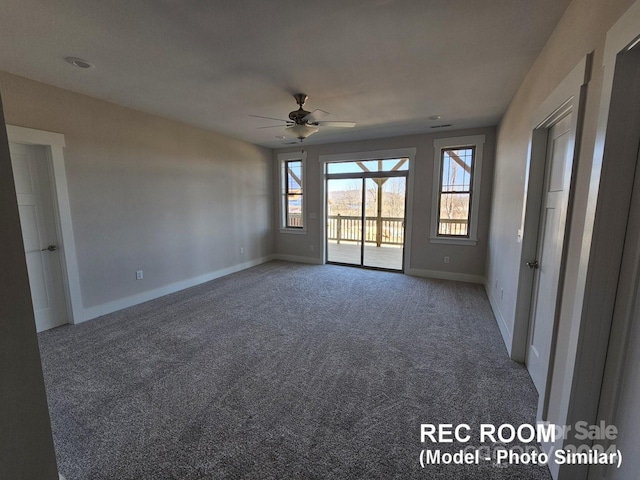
[[439, 145], [287, 157]]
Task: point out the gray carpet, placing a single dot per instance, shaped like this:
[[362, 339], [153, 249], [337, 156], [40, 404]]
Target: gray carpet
[[283, 371]]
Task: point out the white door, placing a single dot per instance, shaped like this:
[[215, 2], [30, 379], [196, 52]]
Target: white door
[[37, 218], [549, 251]]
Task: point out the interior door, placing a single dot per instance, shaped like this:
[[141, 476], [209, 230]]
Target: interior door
[[37, 218], [549, 252]]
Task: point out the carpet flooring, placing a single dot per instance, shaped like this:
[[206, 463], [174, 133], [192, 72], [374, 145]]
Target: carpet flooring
[[283, 371]]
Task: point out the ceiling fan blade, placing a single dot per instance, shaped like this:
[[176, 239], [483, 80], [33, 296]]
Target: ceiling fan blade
[[273, 126], [271, 118], [335, 124], [315, 116]]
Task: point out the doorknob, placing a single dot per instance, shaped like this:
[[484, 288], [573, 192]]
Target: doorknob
[[50, 248], [533, 264]]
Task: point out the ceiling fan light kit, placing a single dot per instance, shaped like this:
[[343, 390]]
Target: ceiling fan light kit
[[301, 131]]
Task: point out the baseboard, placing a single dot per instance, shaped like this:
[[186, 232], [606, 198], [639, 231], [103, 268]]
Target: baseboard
[[296, 258], [457, 277], [502, 325], [110, 307]]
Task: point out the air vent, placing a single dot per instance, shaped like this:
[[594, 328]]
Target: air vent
[[444, 125]]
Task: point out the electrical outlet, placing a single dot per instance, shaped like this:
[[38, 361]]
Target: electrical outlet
[[495, 285], [501, 293], [139, 275], [446, 259], [311, 248], [241, 250]]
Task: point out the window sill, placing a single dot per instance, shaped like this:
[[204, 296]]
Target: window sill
[[294, 231], [454, 241]]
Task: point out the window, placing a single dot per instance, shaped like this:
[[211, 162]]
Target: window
[[456, 171], [456, 189], [292, 181], [384, 165]]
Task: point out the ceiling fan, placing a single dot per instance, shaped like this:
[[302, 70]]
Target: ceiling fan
[[301, 123]]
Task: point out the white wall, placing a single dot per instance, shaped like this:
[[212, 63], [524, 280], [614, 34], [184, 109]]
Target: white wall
[[465, 261], [151, 194], [581, 30]]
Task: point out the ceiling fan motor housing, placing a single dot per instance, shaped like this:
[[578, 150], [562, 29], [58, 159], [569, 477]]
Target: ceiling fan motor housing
[[298, 115]]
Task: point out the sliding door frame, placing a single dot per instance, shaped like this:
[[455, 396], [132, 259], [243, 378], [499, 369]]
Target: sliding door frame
[[408, 152], [363, 176]]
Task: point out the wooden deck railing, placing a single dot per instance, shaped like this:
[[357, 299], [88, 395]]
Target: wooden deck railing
[[348, 228], [295, 220], [452, 226]]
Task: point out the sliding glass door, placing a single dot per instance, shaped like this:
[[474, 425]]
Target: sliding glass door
[[366, 213], [344, 221], [384, 222]]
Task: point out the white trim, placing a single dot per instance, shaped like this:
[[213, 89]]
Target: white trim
[[407, 152], [453, 241], [294, 231], [282, 157], [564, 98], [451, 142], [297, 259], [408, 211], [292, 156], [114, 306], [54, 144], [502, 325], [457, 277], [30, 136]]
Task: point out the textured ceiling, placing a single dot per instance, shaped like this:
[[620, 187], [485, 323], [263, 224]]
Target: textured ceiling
[[386, 64]]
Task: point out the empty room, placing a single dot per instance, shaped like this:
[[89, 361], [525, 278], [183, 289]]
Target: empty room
[[375, 239]]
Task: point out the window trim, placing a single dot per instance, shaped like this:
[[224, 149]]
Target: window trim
[[440, 144], [283, 158]]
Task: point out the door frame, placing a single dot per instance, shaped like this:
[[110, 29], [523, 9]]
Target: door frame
[[602, 347], [408, 152], [626, 309], [53, 144], [542, 136], [567, 97]]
